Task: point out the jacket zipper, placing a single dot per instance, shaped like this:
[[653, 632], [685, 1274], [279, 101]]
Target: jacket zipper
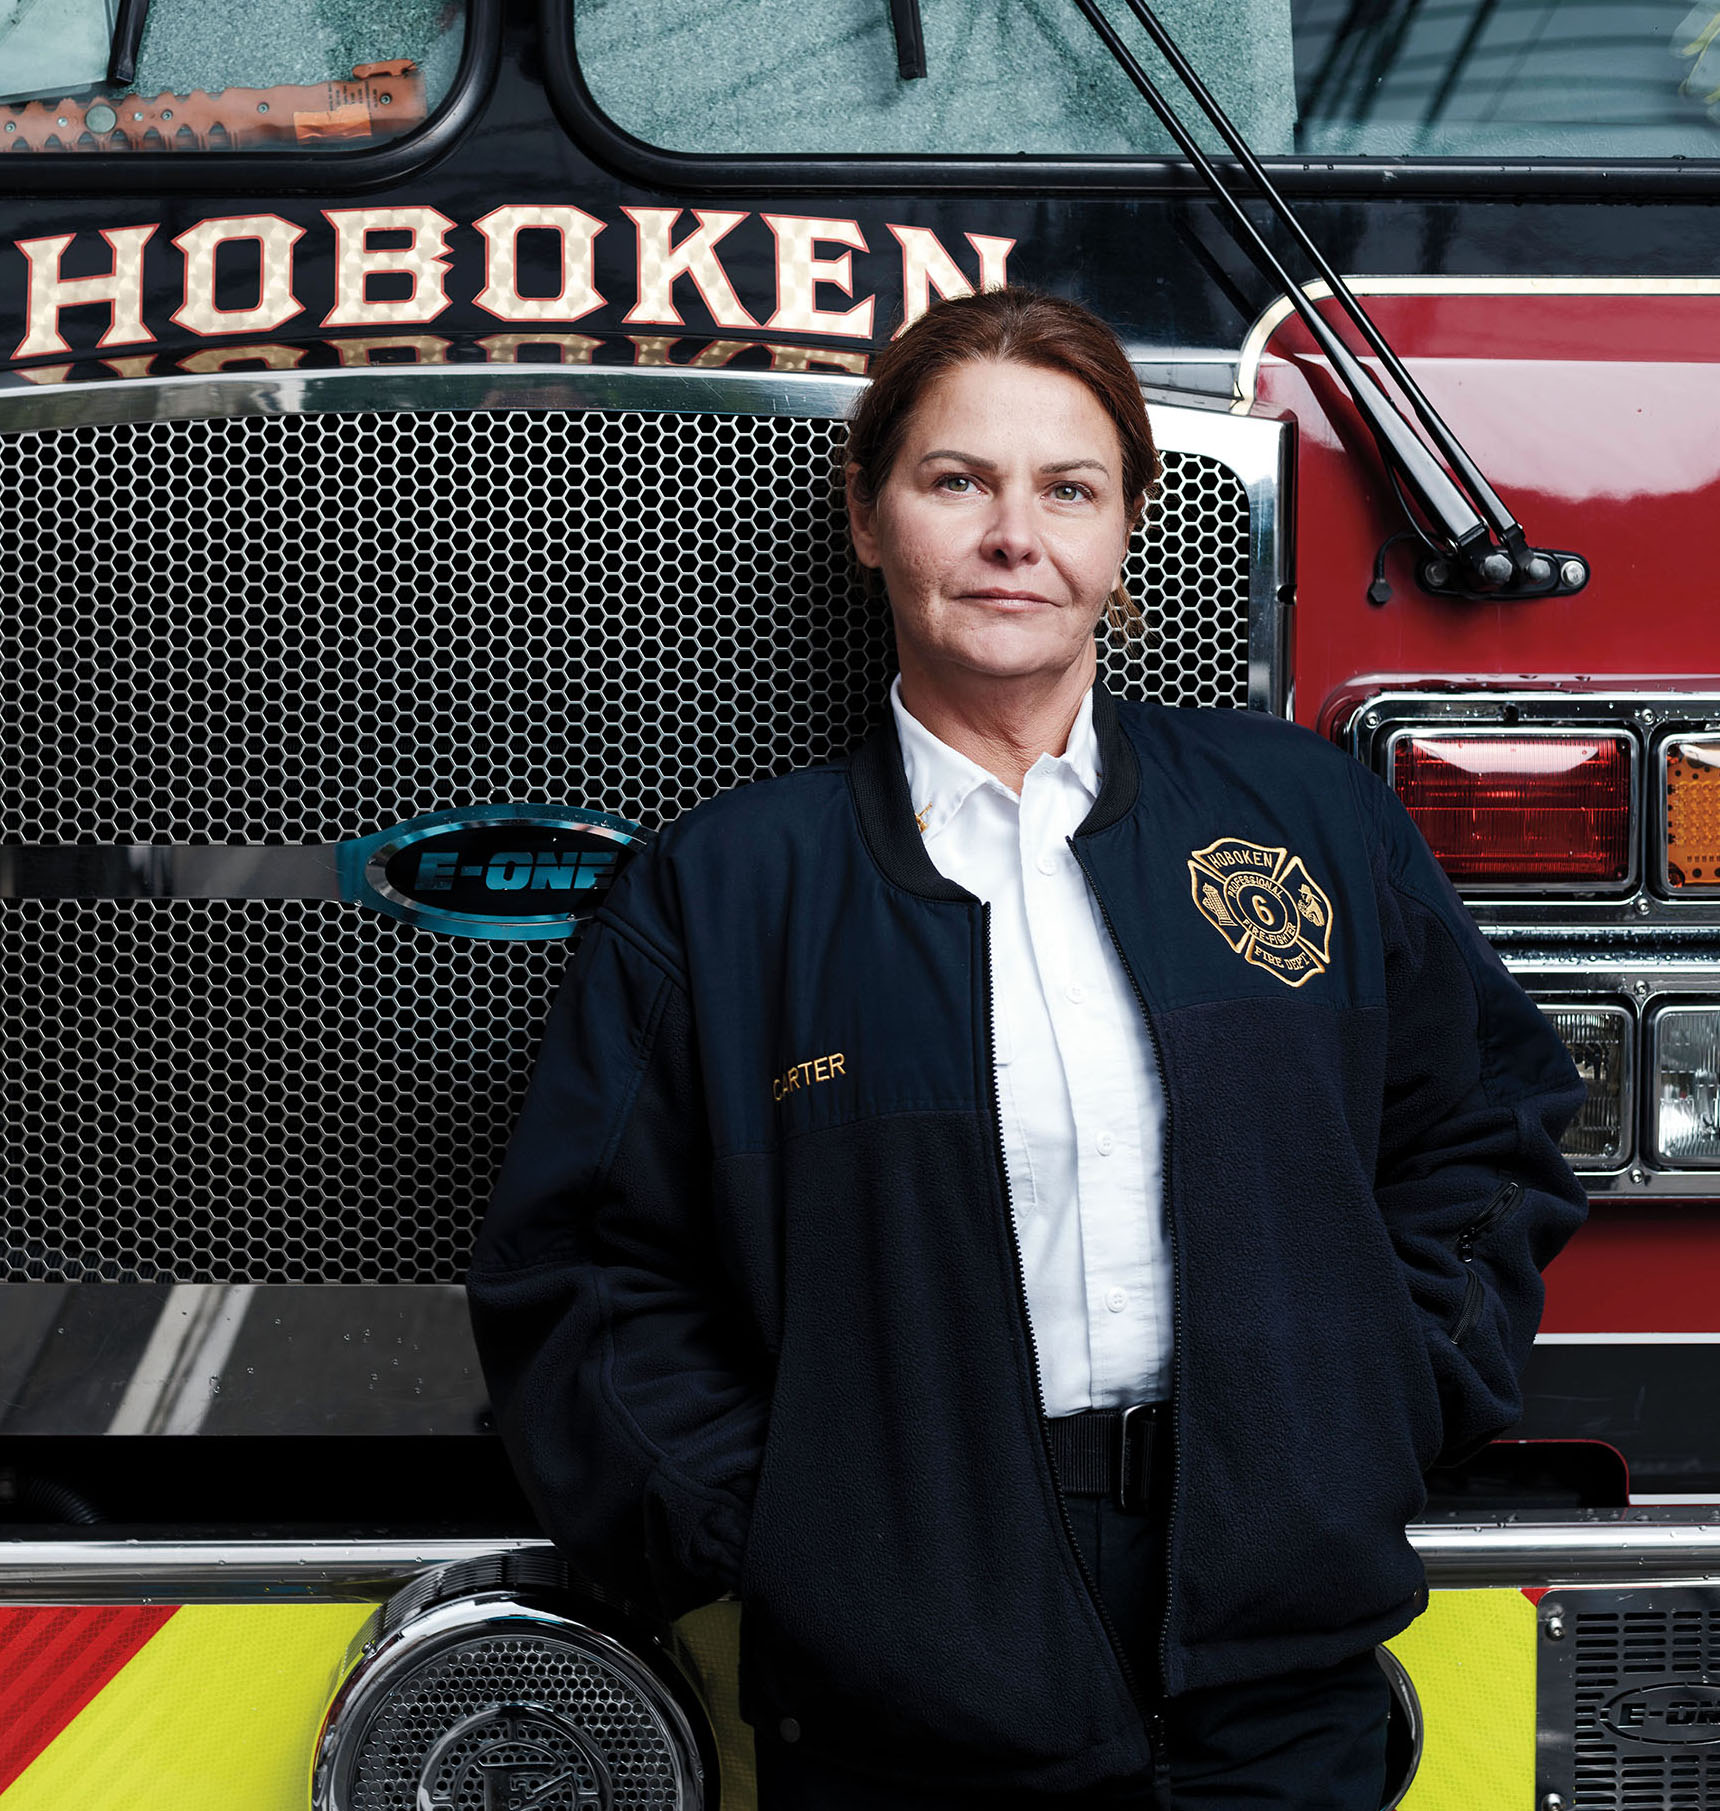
[[1176, 1274], [1504, 1199], [1088, 1579]]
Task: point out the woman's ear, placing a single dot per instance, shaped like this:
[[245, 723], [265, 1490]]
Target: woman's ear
[[862, 518]]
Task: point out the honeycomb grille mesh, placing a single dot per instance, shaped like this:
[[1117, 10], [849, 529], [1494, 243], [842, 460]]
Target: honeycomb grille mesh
[[302, 628], [398, 1748]]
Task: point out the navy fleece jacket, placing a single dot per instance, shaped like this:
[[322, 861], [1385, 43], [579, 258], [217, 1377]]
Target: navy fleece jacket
[[748, 1295]]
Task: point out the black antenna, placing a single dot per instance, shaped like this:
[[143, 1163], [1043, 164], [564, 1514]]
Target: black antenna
[[1465, 511]]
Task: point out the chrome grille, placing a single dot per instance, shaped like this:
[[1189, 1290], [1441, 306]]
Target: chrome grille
[[404, 1757], [283, 628]]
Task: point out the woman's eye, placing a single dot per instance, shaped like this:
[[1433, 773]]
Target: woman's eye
[[1069, 493], [955, 482]]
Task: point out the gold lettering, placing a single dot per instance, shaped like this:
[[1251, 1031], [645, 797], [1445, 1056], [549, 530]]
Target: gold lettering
[[805, 1075]]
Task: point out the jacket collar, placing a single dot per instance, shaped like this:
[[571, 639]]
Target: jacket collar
[[886, 813]]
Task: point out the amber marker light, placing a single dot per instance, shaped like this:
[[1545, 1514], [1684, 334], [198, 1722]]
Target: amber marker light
[[1549, 810], [1690, 786]]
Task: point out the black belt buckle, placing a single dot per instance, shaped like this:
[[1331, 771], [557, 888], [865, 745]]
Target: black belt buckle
[[1135, 1454]]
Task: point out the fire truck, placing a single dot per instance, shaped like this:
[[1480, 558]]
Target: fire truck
[[419, 426]]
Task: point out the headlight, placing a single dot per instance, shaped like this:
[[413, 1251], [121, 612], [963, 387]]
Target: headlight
[[1687, 1086], [1599, 1039]]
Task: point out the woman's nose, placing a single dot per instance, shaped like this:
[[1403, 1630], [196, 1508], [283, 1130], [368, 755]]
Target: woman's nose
[[1009, 537]]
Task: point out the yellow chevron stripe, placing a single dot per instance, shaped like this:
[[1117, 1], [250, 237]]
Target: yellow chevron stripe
[[1471, 1658], [219, 1711]]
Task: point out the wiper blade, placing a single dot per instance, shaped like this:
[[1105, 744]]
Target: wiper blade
[[1481, 535], [910, 33], [127, 36]]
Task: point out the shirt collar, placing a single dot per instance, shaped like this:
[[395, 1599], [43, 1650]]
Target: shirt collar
[[941, 779]]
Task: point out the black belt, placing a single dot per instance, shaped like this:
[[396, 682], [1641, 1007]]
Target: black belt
[[1109, 1452]]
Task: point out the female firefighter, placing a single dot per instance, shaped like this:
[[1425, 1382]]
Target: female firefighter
[[1023, 1207]]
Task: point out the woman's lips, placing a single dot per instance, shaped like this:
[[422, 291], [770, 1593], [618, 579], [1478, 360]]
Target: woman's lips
[[997, 596]]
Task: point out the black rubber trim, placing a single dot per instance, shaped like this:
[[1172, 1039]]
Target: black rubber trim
[[886, 814], [684, 172], [277, 172], [1120, 769]]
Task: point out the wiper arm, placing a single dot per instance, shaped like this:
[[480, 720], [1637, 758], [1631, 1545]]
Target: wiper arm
[[1481, 535]]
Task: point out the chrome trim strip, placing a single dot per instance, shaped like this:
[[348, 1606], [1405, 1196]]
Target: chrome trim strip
[[421, 1638], [1415, 1721], [186, 1570], [170, 871], [1262, 463], [1281, 308], [1628, 1546], [654, 389], [1660, 1542], [1258, 452], [1618, 732]]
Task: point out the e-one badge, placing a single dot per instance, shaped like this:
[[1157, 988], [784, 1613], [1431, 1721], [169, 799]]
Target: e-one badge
[[1265, 905]]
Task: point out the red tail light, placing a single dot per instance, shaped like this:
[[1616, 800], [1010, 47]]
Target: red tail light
[[1550, 809]]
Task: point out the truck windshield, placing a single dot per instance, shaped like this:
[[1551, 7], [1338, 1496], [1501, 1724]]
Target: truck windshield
[[1394, 79], [224, 75]]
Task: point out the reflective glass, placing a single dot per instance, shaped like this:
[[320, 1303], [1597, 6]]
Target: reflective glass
[[1687, 1086], [1599, 1039], [225, 75], [1589, 79]]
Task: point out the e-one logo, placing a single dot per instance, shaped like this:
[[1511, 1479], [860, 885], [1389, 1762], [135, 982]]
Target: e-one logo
[[1672, 1715], [492, 870], [516, 870]]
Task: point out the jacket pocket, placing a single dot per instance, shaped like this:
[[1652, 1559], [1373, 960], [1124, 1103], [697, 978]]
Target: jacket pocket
[[1502, 1201]]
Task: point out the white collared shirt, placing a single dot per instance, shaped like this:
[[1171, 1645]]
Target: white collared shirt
[[1077, 1077]]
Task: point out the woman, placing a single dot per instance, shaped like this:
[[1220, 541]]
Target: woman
[[1024, 1206]]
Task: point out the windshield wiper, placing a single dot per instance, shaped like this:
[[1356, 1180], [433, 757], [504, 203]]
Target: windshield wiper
[[1478, 548], [910, 33], [127, 36]]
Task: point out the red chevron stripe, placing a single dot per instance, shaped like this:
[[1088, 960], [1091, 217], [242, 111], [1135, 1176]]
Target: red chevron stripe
[[53, 1661]]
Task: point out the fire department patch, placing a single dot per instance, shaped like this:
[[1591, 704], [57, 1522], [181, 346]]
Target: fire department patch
[[1266, 906]]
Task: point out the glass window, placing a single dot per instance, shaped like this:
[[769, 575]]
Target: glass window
[[225, 75], [1002, 76], [1590, 79]]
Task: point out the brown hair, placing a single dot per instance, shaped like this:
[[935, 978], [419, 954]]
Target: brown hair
[[1014, 325]]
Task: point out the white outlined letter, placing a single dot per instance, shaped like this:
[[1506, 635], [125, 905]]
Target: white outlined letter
[[500, 295], [927, 266], [121, 288], [200, 245], [799, 272], [661, 262], [425, 261]]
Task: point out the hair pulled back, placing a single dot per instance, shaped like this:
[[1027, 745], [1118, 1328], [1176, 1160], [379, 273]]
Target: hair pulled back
[[1019, 326]]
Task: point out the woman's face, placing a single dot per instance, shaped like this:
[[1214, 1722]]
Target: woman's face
[[1002, 526]]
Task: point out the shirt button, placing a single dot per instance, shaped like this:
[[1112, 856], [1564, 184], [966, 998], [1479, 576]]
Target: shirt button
[[1116, 1301], [789, 1729], [1106, 1143], [1048, 864], [1076, 993]]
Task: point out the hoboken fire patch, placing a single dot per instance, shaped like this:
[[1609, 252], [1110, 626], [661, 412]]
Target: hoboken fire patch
[[1265, 905]]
